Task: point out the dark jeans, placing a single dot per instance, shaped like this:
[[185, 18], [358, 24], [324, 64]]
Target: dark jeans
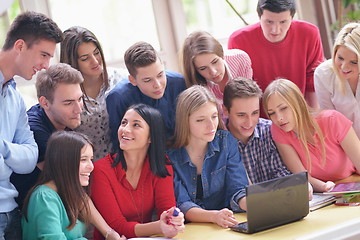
[[10, 225]]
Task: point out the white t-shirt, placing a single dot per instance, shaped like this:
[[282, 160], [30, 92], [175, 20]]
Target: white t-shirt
[[329, 95]]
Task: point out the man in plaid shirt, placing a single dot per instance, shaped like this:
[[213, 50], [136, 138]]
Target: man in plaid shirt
[[257, 148]]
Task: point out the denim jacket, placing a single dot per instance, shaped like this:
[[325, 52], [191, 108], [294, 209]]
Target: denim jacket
[[223, 176]]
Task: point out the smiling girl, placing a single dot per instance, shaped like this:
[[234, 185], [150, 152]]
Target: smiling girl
[[136, 182], [337, 79], [58, 206], [323, 143]]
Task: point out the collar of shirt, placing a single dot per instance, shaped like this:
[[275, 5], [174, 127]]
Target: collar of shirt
[[255, 134], [212, 147], [5, 84]]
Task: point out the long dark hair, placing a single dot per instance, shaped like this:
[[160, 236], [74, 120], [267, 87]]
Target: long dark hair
[[156, 151], [62, 161], [73, 38]]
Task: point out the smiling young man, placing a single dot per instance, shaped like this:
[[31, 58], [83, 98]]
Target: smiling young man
[[279, 46], [257, 148], [148, 83], [29, 45], [60, 104]]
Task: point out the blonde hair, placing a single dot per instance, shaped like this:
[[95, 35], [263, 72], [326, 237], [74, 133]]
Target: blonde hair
[[188, 102], [349, 37], [305, 124]]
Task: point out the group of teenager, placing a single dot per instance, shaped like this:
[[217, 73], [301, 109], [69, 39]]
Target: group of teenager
[[138, 153]]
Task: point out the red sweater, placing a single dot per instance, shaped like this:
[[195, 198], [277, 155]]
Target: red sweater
[[121, 206], [295, 58]]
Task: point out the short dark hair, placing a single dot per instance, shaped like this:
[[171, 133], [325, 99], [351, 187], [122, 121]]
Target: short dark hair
[[140, 54], [62, 161], [240, 88], [276, 6], [47, 80], [157, 146], [32, 27]]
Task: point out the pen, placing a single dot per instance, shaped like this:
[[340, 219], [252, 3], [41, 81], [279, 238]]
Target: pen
[[347, 204], [175, 214]]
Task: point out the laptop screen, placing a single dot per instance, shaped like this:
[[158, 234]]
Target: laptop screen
[[276, 202]]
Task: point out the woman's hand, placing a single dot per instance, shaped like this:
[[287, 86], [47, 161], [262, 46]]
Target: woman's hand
[[311, 191], [171, 225], [112, 235], [224, 218], [328, 186]]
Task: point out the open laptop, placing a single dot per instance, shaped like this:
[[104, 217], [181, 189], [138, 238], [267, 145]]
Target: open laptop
[[275, 202]]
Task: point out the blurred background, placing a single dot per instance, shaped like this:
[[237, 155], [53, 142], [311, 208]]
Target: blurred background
[[166, 23]]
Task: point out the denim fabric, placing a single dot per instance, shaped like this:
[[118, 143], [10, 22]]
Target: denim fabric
[[223, 175], [10, 225]]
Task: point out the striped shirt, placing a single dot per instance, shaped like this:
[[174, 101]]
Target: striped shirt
[[237, 64]]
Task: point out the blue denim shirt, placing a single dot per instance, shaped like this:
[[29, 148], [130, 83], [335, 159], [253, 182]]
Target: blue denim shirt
[[223, 176]]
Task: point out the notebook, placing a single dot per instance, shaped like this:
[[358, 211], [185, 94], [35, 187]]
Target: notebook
[[275, 202], [320, 200]]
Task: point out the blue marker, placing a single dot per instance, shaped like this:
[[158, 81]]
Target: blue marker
[[176, 212]]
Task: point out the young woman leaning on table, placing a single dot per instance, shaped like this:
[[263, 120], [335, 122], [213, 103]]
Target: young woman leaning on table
[[209, 174], [321, 142], [58, 207], [130, 185]]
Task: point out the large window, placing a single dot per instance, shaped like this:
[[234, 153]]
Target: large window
[[117, 24], [217, 16], [8, 11]]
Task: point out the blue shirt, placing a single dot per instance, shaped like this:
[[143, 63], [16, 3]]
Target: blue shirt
[[18, 150], [42, 128], [223, 176], [125, 94], [260, 155]]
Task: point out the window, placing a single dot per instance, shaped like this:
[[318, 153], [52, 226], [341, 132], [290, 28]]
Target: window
[[217, 17], [117, 24], [9, 9]]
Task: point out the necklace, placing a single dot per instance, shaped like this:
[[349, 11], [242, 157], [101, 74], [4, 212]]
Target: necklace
[[141, 217]]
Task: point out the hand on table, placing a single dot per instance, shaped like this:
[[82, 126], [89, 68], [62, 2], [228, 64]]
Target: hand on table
[[225, 218], [171, 225]]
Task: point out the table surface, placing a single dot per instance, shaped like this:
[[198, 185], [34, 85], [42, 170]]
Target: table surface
[[314, 221]]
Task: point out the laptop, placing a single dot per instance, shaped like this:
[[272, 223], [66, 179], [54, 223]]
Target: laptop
[[275, 202]]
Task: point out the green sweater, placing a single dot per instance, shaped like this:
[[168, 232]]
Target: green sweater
[[47, 217]]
